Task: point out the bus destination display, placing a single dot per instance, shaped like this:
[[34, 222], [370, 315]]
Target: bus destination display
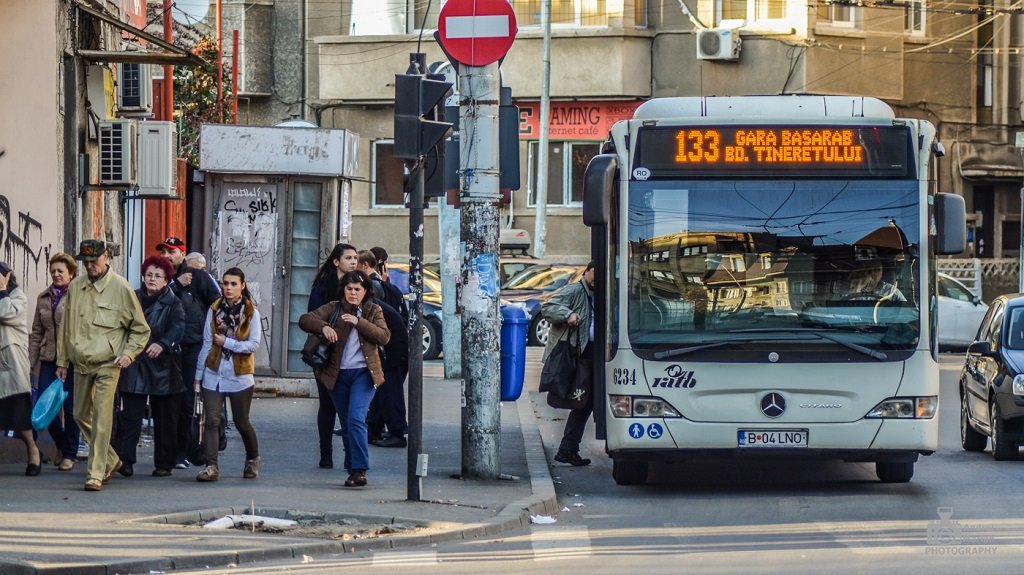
[[850, 151]]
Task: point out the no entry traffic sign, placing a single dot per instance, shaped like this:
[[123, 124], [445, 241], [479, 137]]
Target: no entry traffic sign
[[477, 32]]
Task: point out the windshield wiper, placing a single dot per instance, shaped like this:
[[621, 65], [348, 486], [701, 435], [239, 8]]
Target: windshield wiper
[[820, 333], [664, 354]]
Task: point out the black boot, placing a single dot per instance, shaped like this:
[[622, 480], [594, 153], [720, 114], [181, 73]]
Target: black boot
[[571, 457]]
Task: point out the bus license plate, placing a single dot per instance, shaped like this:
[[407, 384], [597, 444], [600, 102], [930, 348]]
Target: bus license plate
[[774, 438]]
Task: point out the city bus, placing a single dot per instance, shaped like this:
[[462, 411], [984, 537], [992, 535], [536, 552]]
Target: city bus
[[765, 282]]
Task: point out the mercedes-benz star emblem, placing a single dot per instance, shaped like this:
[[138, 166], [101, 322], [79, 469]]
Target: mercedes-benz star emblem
[[773, 405]]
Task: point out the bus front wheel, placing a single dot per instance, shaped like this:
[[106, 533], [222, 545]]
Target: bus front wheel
[[629, 472], [894, 471]]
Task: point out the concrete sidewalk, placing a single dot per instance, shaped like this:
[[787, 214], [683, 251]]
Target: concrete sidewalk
[[48, 524]]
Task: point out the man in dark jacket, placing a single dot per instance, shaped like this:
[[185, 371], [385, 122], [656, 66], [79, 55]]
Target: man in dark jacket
[[383, 291], [387, 409], [197, 290]]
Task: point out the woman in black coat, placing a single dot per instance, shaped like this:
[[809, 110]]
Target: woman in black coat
[[155, 374], [342, 259]]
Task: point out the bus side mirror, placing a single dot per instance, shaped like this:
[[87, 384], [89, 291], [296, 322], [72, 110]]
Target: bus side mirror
[[598, 182], [951, 221]]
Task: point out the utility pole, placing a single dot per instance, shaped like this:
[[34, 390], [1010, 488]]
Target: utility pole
[[451, 265], [540, 230], [481, 321], [477, 34], [415, 388], [417, 130], [448, 221], [234, 75], [219, 33], [168, 70]]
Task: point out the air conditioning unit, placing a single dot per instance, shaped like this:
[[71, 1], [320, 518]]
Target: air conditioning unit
[[117, 152], [718, 44], [158, 147], [134, 90]]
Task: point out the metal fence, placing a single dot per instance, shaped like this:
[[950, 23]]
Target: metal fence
[[986, 278]]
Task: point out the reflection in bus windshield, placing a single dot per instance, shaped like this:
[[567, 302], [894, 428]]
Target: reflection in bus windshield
[[539, 277], [707, 258]]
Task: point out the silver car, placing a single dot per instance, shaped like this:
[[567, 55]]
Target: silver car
[[960, 313]]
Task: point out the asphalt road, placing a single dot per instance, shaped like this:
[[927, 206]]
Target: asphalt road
[[750, 517]]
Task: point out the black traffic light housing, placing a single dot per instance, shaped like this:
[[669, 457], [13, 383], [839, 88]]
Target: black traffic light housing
[[508, 145], [419, 116]]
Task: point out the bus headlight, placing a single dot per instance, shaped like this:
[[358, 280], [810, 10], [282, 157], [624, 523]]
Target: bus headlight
[[640, 406], [1018, 384], [905, 408]]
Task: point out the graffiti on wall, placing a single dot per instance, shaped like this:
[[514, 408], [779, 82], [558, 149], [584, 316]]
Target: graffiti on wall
[[21, 240], [247, 230]]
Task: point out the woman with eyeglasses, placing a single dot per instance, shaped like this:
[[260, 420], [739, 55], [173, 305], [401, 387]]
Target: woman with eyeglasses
[[155, 375], [42, 355], [354, 371], [227, 363]]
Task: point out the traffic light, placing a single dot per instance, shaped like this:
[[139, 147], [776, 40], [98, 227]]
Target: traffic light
[[419, 125]]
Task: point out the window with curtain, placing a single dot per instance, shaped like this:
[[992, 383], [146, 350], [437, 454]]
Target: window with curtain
[[640, 13], [913, 17], [386, 188], [751, 10], [563, 12], [837, 14], [567, 162]]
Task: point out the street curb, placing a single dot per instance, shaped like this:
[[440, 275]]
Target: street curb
[[515, 515]]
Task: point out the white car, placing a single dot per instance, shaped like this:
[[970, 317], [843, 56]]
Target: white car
[[960, 313]]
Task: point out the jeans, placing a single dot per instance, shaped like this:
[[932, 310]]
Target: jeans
[[352, 395], [63, 430]]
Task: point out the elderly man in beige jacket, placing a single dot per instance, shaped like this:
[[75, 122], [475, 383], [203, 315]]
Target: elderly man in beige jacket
[[103, 331]]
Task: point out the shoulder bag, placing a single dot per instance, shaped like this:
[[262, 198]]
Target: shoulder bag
[[316, 353], [558, 372]]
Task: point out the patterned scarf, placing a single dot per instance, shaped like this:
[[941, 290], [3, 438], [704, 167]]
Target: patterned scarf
[[231, 315], [56, 293]]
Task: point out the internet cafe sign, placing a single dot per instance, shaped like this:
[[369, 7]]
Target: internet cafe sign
[[574, 120]]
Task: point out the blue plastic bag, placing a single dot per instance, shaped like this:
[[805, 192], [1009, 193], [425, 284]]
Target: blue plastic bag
[[48, 405]]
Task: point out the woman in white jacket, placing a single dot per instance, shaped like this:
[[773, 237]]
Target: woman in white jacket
[[15, 388]]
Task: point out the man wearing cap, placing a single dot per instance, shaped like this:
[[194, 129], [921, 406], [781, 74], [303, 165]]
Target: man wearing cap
[[197, 290], [103, 331]]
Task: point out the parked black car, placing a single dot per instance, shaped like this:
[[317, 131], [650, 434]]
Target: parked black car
[[992, 382], [399, 275]]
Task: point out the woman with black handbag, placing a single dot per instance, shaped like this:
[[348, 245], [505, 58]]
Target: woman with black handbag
[[571, 314], [353, 371]]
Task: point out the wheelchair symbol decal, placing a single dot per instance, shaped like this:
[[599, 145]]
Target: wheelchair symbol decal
[[654, 430]]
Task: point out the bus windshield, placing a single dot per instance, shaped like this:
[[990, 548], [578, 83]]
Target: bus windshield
[[733, 265]]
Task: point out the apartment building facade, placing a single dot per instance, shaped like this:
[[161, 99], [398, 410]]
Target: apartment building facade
[[955, 65]]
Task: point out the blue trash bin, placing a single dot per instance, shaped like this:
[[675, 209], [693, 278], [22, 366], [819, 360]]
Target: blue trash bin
[[515, 321]]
